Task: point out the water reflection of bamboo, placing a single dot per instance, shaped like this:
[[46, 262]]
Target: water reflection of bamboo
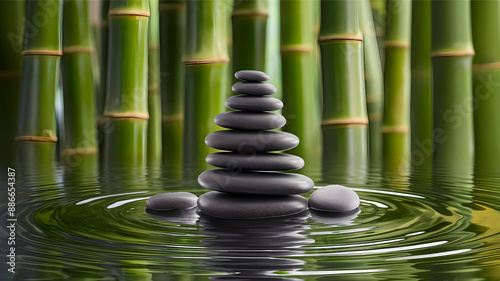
[[484, 223], [254, 249], [455, 193]]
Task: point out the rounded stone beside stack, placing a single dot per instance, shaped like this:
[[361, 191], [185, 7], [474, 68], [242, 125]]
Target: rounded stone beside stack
[[248, 186]]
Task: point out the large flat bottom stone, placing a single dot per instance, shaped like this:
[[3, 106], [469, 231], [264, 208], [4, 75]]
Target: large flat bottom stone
[[247, 206], [267, 183]]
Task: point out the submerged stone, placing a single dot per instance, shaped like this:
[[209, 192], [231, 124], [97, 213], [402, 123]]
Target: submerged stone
[[254, 103], [249, 206], [334, 198], [267, 183], [172, 201], [257, 162], [254, 88], [247, 120], [251, 75], [249, 142]]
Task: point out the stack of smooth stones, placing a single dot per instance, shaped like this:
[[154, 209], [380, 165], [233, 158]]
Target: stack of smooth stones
[[249, 183]]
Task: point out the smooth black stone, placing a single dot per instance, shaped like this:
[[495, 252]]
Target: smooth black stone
[[334, 198], [172, 201], [254, 88], [257, 162], [254, 103], [268, 183], [251, 75], [248, 206], [250, 142], [247, 120]]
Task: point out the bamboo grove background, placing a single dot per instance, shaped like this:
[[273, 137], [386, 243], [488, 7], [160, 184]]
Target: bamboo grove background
[[393, 84]]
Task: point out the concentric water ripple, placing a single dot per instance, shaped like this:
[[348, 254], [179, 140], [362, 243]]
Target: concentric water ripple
[[84, 225]]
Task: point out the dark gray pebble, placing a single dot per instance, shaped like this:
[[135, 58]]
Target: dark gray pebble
[[248, 206], [247, 120], [254, 88], [250, 142], [268, 183], [254, 103], [334, 198], [257, 162], [172, 201], [251, 75]]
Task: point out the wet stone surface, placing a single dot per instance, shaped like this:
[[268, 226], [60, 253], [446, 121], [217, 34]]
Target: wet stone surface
[[251, 75], [172, 201], [249, 206], [271, 183], [334, 198], [248, 142]]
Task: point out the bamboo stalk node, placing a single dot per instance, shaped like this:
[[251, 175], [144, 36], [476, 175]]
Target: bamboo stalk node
[[396, 44], [373, 117], [347, 121], [42, 53], [36, 138], [296, 49], [10, 74], [335, 38], [206, 61], [452, 54], [79, 151], [250, 14], [172, 6], [136, 13], [77, 50], [379, 31], [486, 65], [154, 90], [136, 115], [394, 129]]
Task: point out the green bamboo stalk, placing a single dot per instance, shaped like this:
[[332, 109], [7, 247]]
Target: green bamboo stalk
[[486, 81], [344, 104], [172, 42], [452, 54], [379, 20], [40, 77], [249, 25], [154, 88], [273, 58], [103, 57], [95, 42], [421, 97], [298, 41], [374, 84], [11, 30], [206, 78], [396, 110], [80, 135], [126, 113], [103, 71]]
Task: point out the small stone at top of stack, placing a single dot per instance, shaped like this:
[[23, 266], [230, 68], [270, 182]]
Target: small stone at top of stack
[[248, 183]]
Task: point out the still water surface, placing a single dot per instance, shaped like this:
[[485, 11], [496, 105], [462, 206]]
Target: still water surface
[[86, 224]]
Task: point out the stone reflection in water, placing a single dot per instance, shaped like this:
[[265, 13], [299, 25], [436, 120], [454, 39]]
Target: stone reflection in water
[[188, 217], [334, 219], [254, 249]]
